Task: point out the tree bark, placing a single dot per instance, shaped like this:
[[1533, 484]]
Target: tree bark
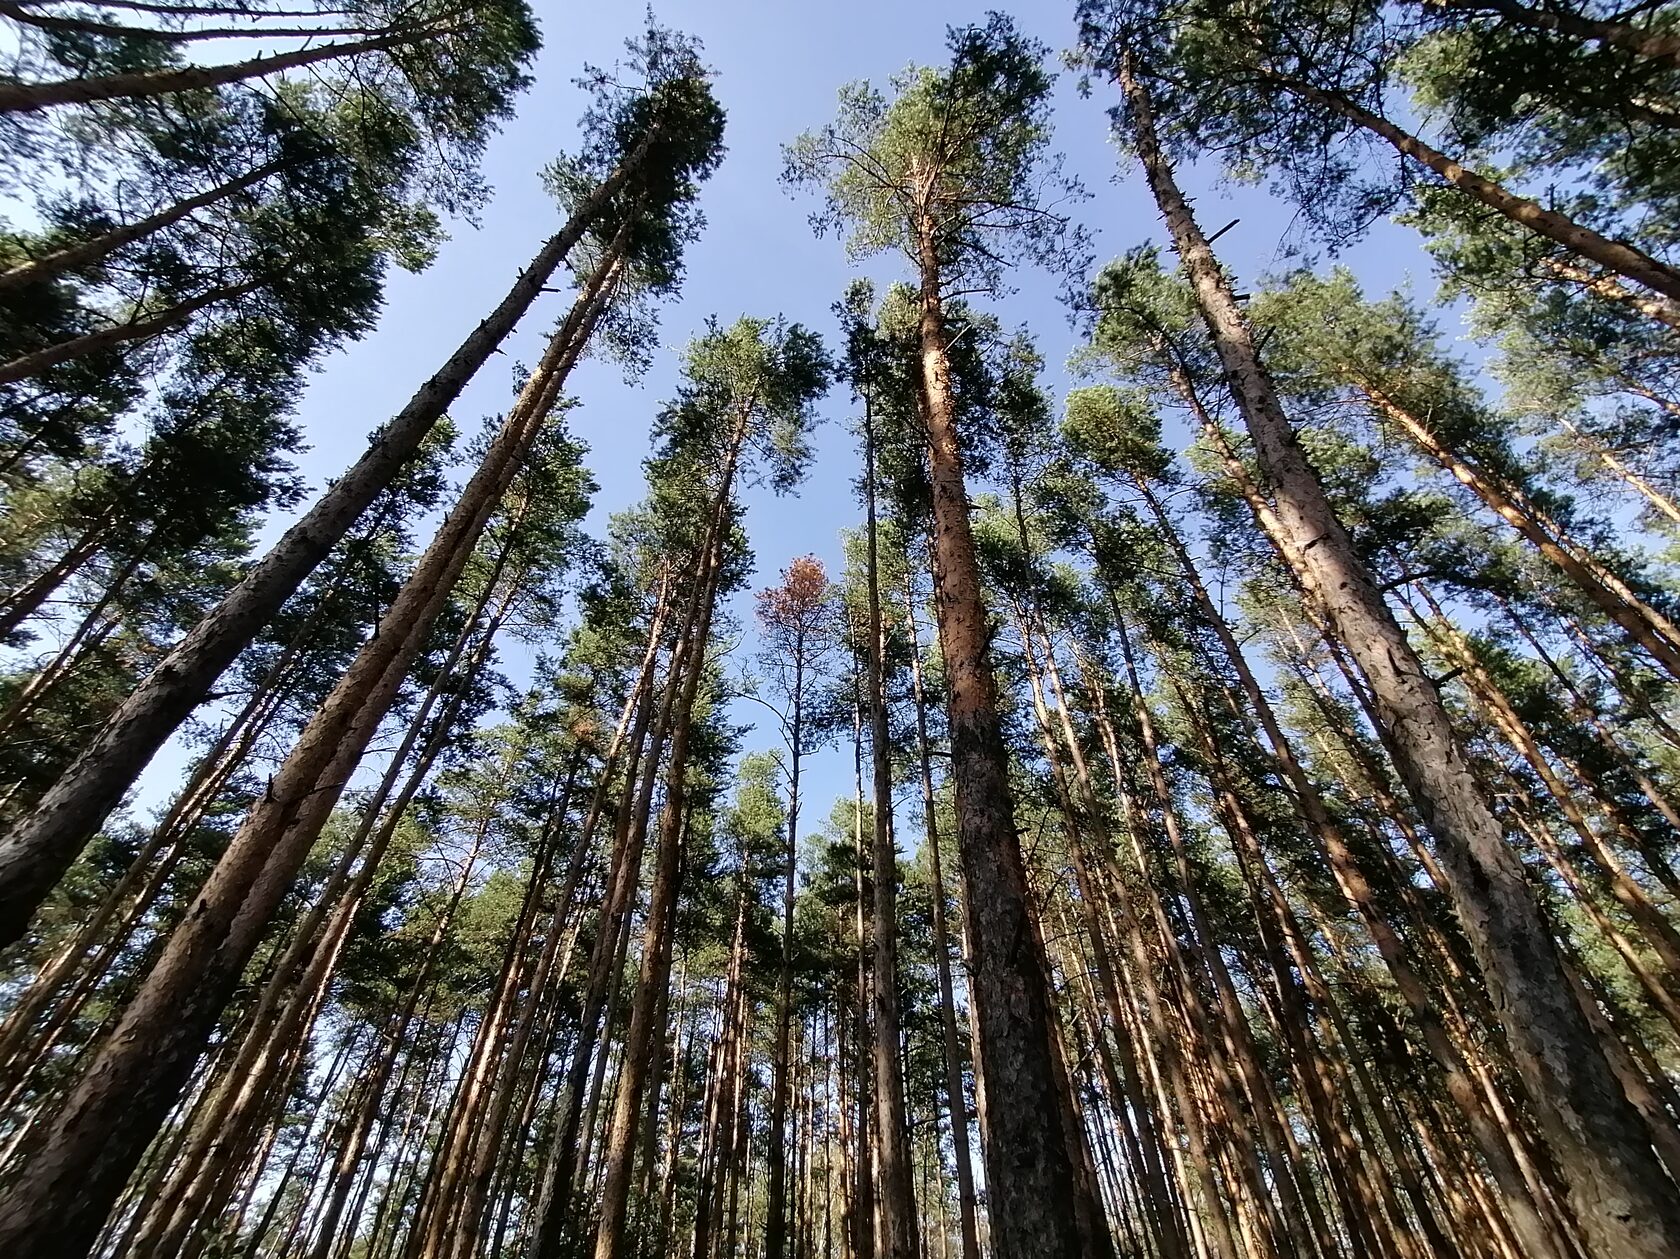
[[897, 1232], [1617, 1187], [102, 1129], [1029, 1180]]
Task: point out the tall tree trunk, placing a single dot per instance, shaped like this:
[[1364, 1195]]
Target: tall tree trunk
[[37, 851], [656, 939], [137, 328], [1618, 1189], [1029, 1181], [775, 1202], [956, 1098], [104, 1125], [1350, 878], [896, 1192]]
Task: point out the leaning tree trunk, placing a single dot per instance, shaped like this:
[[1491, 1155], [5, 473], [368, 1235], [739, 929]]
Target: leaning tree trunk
[[17, 97], [1614, 255], [41, 847], [1618, 1189], [1316, 822], [143, 328], [1640, 41], [1644, 624], [102, 1129], [96, 249]]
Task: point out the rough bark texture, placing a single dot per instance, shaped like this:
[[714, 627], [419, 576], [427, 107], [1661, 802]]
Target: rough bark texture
[[102, 1129], [1624, 1200], [1029, 1180]]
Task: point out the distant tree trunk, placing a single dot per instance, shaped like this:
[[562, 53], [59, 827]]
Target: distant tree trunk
[[656, 939], [1605, 455], [359, 1124], [1519, 1206], [775, 1202], [1618, 1189], [956, 1098], [103, 1127], [553, 1213], [896, 1191], [1643, 623], [861, 1175]]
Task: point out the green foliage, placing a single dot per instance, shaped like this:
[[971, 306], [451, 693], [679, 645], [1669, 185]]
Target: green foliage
[[956, 157]]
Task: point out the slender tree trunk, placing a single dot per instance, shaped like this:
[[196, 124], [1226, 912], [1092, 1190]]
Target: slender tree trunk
[[1614, 255], [1600, 451], [96, 249], [1638, 619], [895, 1192], [775, 1204], [1355, 887], [656, 939], [956, 1098], [19, 97], [27, 600], [139, 328]]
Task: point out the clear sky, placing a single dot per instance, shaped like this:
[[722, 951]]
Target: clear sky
[[778, 66]]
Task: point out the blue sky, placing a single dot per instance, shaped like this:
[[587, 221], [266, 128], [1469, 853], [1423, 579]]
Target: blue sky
[[778, 67]]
